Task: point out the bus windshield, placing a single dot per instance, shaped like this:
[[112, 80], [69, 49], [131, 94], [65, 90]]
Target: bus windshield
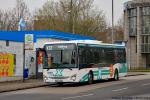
[[60, 56]]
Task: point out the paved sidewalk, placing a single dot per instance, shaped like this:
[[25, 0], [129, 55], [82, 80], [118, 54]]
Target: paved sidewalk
[[19, 85]]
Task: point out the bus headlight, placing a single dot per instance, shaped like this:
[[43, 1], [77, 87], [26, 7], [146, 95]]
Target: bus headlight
[[45, 78], [73, 77]]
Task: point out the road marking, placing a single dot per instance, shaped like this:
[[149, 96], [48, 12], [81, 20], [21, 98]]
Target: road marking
[[77, 96], [120, 89], [145, 84]]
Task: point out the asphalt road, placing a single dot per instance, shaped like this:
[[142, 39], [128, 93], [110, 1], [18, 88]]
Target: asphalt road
[[129, 88]]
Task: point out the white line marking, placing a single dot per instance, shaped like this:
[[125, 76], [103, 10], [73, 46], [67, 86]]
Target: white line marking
[[77, 96], [145, 84], [120, 89]]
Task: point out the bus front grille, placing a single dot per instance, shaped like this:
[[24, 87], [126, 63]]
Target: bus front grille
[[59, 77]]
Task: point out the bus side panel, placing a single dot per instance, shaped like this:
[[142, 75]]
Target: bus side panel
[[123, 70], [101, 73], [98, 73], [83, 74]]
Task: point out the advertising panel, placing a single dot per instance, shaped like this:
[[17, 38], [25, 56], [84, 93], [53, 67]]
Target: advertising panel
[[6, 64]]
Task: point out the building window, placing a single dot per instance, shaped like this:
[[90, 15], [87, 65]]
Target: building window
[[146, 30], [146, 10], [7, 43], [146, 20], [146, 44], [132, 22]]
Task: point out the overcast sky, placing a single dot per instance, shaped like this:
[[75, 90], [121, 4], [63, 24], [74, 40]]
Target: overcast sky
[[102, 4]]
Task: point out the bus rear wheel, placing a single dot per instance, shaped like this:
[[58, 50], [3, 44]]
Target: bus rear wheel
[[116, 75], [90, 78]]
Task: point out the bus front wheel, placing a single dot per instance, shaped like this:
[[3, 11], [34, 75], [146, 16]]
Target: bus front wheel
[[90, 78]]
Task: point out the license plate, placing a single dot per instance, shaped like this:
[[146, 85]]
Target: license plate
[[58, 80]]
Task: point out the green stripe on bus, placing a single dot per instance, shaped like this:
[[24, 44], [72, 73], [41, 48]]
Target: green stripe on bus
[[84, 78], [105, 72], [106, 46], [95, 73]]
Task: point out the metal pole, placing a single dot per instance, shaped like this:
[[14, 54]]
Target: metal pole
[[73, 24], [72, 16], [112, 21], [23, 58], [36, 68]]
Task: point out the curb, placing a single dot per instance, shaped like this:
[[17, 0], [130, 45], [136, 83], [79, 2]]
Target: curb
[[134, 75], [23, 88]]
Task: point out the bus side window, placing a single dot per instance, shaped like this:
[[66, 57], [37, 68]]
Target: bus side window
[[96, 55], [73, 58], [101, 57], [116, 56], [82, 56], [89, 55], [120, 56]]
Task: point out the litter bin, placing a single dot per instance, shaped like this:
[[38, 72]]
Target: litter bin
[[26, 71]]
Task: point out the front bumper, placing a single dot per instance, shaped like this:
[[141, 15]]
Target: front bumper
[[60, 80]]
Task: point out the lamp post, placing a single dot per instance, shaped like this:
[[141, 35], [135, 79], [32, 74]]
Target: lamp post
[[112, 21], [71, 21], [71, 12]]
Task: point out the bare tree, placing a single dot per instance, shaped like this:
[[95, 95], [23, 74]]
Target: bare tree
[[9, 19], [119, 28], [21, 11], [77, 16], [6, 20], [47, 14]]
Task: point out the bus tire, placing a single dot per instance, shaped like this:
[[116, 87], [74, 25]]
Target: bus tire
[[116, 75], [90, 77]]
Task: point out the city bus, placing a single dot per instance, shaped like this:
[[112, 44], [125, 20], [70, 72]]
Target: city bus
[[83, 61]]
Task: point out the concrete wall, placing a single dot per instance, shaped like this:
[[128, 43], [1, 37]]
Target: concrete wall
[[14, 48], [17, 49], [133, 53]]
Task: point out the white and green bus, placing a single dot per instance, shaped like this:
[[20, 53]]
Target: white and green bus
[[83, 61]]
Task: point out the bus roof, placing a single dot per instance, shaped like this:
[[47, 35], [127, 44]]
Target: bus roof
[[89, 42]]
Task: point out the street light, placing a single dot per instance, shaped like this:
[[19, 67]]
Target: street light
[[71, 12], [112, 21], [72, 17]]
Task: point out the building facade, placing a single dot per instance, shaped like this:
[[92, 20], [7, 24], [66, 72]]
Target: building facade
[[137, 33]]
